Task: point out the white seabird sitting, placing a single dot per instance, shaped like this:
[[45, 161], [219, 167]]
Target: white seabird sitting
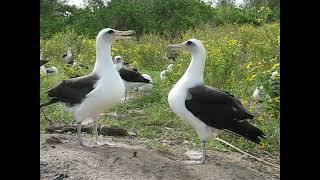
[[42, 63], [163, 74], [169, 68], [274, 75], [74, 63], [257, 94], [52, 70], [67, 57], [87, 96], [146, 87], [207, 109], [131, 78]]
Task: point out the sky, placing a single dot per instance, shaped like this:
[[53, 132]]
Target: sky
[[79, 3]]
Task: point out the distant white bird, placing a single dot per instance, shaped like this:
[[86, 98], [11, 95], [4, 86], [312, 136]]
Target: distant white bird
[[169, 68], [53, 70], [67, 57], [163, 74], [257, 94], [74, 63], [274, 75], [131, 78], [146, 87], [42, 62]]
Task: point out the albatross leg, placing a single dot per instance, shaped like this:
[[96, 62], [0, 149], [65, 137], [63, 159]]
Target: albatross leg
[[203, 146], [98, 142], [79, 133]]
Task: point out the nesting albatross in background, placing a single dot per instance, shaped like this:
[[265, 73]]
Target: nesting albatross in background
[[207, 109], [87, 96], [132, 79], [67, 57], [42, 63]]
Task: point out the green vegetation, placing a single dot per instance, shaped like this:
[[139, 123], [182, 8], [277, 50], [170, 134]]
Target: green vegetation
[[241, 55]]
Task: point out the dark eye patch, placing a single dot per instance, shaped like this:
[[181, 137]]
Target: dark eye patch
[[189, 42], [110, 31]]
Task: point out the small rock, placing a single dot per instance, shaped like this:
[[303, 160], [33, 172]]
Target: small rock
[[53, 146], [53, 140], [135, 154], [110, 131]]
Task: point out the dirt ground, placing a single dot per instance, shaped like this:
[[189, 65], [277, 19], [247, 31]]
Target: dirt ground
[[61, 157]]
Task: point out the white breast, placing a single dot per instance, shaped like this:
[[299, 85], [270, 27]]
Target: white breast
[[107, 93], [176, 99]]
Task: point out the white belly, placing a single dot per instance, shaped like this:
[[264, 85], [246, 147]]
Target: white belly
[[101, 98], [132, 85], [176, 99]]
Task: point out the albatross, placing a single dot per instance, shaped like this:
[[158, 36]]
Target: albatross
[[43, 70], [67, 57], [53, 70], [131, 78], [169, 68], [207, 109], [164, 73], [257, 94], [87, 96]]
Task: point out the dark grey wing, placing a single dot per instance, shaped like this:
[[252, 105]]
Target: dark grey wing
[[43, 62], [221, 110], [73, 91], [132, 76]]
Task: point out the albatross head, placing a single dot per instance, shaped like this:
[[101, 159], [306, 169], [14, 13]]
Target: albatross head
[[109, 34], [193, 46], [117, 60]]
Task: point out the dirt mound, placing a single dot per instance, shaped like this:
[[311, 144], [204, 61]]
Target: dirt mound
[[69, 160]]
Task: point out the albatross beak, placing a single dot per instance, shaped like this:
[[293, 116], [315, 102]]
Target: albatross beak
[[181, 46], [125, 34]]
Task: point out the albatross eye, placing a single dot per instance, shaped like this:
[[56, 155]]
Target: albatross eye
[[189, 42], [110, 31]]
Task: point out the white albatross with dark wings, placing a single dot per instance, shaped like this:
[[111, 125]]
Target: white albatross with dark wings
[[87, 96], [207, 109]]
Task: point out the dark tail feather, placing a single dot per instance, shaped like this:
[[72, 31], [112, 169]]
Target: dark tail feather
[[248, 131], [52, 101], [147, 81]]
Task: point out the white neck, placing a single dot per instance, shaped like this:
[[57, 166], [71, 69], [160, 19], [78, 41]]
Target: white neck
[[195, 70], [104, 62]]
